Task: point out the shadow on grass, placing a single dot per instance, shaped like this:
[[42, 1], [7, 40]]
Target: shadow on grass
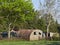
[[54, 43]]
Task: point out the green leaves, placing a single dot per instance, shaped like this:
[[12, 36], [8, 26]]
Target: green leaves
[[16, 12]]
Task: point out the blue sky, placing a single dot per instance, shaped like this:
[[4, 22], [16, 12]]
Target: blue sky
[[36, 6]]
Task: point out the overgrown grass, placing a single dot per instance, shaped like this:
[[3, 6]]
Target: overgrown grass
[[21, 42]]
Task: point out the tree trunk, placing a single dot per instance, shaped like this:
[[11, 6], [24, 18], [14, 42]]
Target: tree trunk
[[9, 31], [48, 28]]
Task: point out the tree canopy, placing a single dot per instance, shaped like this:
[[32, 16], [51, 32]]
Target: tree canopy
[[16, 12]]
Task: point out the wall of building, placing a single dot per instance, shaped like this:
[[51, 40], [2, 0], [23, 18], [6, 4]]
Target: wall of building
[[36, 36]]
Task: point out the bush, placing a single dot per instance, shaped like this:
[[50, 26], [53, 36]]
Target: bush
[[55, 38]]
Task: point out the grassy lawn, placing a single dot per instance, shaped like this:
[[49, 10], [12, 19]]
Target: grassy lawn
[[18, 42]]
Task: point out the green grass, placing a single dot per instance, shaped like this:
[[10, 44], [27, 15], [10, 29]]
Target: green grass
[[19, 42]]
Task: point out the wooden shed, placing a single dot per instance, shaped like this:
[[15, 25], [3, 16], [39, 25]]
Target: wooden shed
[[30, 34]]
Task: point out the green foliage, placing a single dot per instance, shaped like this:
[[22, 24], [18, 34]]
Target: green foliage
[[20, 13], [53, 23], [53, 27], [41, 24], [55, 39], [16, 12], [58, 28]]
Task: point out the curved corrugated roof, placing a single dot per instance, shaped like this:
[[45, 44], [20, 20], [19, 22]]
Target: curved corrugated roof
[[25, 34]]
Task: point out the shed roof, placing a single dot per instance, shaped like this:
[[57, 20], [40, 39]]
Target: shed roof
[[25, 34]]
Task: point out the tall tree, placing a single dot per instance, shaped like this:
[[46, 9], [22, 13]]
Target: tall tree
[[16, 12], [49, 7]]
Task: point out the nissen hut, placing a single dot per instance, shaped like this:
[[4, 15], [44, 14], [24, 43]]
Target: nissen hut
[[28, 34]]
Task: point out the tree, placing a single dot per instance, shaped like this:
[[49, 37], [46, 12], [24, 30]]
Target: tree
[[41, 24], [16, 12], [49, 7], [53, 26], [58, 29]]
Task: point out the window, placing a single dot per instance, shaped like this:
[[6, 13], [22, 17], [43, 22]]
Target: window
[[34, 33], [39, 33]]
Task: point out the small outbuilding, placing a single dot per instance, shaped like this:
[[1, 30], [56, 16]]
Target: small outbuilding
[[30, 34]]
